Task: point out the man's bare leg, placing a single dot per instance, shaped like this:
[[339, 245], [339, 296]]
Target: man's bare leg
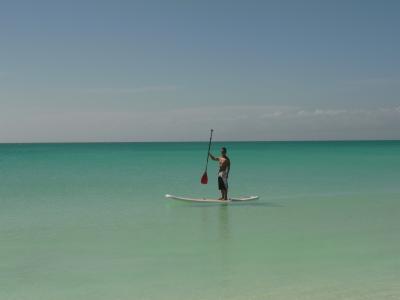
[[224, 194]]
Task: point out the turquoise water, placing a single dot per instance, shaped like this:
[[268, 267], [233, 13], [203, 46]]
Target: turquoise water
[[90, 221]]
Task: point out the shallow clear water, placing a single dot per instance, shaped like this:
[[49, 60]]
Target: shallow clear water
[[90, 221]]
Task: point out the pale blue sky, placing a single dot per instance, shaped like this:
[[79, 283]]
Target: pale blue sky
[[170, 70]]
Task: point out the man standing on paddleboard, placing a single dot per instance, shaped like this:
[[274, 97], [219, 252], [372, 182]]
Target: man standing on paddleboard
[[223, 173]]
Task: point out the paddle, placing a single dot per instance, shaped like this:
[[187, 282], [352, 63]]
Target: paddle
[[204, 178]]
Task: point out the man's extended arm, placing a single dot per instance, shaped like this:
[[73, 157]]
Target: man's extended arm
[[212, 156]]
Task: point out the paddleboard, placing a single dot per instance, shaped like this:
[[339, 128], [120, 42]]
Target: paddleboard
[[236, 199]]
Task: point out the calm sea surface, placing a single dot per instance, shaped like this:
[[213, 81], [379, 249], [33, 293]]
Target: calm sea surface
[[90, 221]]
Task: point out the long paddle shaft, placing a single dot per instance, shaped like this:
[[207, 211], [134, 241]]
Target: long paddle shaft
[[209, 147], [204, 178]]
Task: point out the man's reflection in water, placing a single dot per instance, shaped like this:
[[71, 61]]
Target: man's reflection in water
[[216, 225], [225, 251], [223, 223]]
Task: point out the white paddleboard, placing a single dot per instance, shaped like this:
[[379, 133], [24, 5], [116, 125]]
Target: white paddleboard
[[237, 199]]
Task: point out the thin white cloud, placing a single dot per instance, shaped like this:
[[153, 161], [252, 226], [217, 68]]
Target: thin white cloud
[[243, 122], [377, 81], [134, 90]]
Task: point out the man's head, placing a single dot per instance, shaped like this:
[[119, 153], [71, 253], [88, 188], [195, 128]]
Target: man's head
[[223, 151]]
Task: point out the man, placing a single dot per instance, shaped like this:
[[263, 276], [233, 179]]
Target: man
[[224, 168]]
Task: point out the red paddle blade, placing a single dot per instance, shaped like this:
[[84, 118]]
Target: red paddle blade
[[204, 178]]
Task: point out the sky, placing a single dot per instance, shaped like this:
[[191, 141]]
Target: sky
[[87, 71]]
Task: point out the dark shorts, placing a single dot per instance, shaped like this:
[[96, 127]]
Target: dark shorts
[[221, 184]]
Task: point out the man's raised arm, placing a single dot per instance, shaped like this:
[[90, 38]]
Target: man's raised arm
[[212, 156]]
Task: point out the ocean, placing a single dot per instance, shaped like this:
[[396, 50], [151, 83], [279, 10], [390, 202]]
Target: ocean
[[90, 221]]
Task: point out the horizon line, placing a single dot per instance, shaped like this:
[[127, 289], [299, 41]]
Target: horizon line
[[205, 141]]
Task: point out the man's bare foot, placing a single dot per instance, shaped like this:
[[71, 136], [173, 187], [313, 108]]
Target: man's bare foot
[[222, 198]]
